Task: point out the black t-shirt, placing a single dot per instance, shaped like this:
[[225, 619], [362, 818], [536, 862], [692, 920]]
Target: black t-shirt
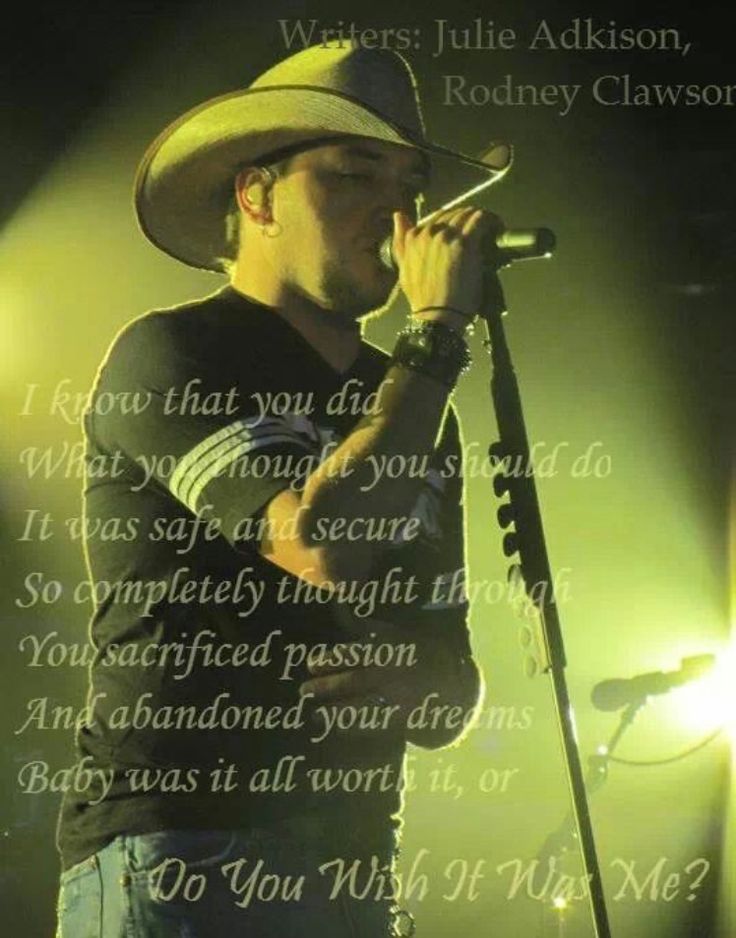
[[201, 414]]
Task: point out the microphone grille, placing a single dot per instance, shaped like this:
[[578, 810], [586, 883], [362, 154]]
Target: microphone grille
[[386, 253]]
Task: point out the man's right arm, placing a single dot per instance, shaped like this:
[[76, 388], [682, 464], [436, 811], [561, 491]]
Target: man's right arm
[[440, 266], [345, 487]]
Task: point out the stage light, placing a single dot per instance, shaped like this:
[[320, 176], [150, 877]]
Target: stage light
[[710, 702]]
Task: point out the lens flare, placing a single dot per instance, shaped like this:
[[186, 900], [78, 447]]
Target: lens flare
[[710, 702]]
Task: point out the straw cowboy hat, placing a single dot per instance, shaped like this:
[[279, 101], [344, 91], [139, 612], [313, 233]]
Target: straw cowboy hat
[[185, 180]]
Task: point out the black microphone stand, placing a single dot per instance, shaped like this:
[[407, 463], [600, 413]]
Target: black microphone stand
[[522, 510], [564, 837]]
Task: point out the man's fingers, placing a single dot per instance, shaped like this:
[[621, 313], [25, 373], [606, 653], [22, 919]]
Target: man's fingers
[[474, 220], [329, 663], [450, 225], [356, 718], [448, 222], [402, 224], [343, 684]]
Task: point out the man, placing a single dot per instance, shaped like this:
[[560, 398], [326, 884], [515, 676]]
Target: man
[[278, 613]]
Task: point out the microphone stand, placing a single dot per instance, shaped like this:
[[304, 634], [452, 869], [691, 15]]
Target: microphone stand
[[563, 839], [529, 543]]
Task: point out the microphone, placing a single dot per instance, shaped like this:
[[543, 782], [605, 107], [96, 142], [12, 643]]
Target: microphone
[[617, 693], [514, 244]]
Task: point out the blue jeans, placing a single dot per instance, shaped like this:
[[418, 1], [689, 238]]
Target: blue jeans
[[279, 882]]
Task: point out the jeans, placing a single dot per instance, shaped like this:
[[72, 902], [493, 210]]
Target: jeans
[[282, 881]]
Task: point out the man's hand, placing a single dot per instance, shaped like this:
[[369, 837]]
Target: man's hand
[[441, 261], [386, 698], [333, 682]]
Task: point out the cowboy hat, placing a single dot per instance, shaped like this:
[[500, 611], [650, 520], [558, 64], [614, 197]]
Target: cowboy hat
[[185, 180]]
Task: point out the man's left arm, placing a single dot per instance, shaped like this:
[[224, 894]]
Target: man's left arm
[[446, 669], [438, 694], [453, 689]]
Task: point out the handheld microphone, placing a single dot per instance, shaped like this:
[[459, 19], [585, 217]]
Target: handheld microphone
[[514, 244], [617, 693]]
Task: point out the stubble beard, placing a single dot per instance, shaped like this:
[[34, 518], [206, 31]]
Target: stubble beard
[[352, 300]]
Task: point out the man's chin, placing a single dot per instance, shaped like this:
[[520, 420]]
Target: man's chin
[[355, 298], [381, 305]]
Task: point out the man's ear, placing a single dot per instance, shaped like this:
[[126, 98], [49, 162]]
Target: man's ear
[[253, 193]]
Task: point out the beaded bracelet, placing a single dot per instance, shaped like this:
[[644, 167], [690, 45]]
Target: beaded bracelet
[[433, 349]]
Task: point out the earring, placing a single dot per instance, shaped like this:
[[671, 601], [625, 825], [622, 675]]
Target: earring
[[270, 229]]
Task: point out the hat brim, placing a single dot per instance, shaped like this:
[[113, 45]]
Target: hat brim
[[185, 179]]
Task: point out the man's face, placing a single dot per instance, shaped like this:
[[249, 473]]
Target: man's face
[[333, 207]]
